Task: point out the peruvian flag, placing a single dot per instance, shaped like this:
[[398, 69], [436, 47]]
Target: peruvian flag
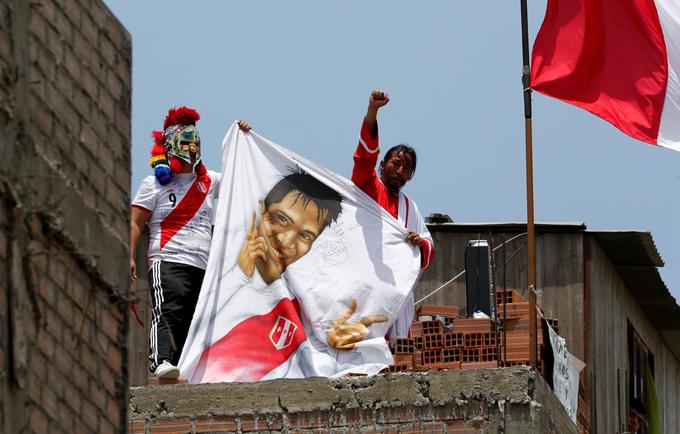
[[620, 60]]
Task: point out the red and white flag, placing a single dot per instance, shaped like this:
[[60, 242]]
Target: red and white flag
[[620, 60], [305, 276]]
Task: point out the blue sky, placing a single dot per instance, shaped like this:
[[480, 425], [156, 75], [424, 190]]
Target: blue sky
[[300, 73]]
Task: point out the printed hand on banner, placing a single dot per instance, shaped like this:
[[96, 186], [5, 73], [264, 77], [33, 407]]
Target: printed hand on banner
[[343, 334], [253, 249]]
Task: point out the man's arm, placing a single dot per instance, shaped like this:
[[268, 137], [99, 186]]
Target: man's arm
[[420, 236], [366, 155], [138, 219]]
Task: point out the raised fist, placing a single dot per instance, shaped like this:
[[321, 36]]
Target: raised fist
[[378, 99]]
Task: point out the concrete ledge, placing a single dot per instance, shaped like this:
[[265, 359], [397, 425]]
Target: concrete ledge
[[504, 400]]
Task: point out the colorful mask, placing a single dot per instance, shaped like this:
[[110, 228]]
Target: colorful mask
[[182, 141]]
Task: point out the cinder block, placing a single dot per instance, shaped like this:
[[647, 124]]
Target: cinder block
[[431, 357], [471, 355], [473, 339], [404, 346], [453, 339], [434, 327], [432, 341], [450, 355]]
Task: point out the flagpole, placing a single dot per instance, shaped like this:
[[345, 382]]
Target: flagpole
[[531, 239]]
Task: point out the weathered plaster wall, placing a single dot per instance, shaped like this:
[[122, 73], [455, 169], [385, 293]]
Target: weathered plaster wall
[[508, 400]]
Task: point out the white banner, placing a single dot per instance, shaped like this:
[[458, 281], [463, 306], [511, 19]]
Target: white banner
[[565, 374], [306, 272]]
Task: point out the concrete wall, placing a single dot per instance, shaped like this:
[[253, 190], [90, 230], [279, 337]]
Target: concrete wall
[[508, 400], [612, 307], [65, 78]]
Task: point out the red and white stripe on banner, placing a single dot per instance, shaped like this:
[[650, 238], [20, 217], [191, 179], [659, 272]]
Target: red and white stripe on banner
[[618, 60]]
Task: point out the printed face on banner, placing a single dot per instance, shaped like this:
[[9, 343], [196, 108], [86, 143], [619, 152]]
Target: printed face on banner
[[293, 215], [288, 229]]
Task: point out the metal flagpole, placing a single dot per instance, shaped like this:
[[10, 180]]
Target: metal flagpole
[[531, 239]]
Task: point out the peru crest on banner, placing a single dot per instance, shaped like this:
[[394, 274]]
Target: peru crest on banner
[[620, 60], [300, 257]]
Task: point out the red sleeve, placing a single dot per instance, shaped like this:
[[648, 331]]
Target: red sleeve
[[426, 253], [365, 158]]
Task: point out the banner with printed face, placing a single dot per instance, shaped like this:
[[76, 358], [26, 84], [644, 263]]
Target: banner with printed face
[[306, 272]]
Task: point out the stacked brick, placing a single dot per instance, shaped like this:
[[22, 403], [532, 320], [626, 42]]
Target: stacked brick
[[449, 342], [446, 342]]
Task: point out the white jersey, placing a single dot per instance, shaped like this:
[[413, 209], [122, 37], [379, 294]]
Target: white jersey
[[181, 217]]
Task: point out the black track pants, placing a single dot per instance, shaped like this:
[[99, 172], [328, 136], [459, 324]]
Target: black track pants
[[174, 293]]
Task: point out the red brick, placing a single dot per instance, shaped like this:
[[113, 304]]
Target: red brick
[[46, 343], [88, 361], [122, 121], [113, 410], [65, 309], [73, 398], [108, 381], [359, 416], [35, 386], [62, 24], [97, 395], [89, 140], [98, 178], [248, 423], [114, 85], [55, 43], [38, 27], [72, 65], [50, 403], [89, 84], [64, 81], [64, 360], [107, 51], [106, 427], [82, 103], [82, 159], [38, 421], [136, 427], [72, 9], [43, 119], [100, 15], [38, 364], [90, 415], [118, 35], [216, 423]]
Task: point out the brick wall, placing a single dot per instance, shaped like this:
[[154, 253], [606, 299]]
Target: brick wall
[[64, 200], [505, 400]]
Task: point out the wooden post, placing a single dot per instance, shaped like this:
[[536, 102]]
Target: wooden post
[[531, 239]]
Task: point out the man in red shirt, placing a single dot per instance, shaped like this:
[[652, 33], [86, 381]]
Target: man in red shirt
[[396, 169]]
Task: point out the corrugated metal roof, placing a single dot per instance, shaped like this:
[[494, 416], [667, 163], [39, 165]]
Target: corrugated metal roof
[[634, 255], [629, 248], [507, 226], [636, 258]]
